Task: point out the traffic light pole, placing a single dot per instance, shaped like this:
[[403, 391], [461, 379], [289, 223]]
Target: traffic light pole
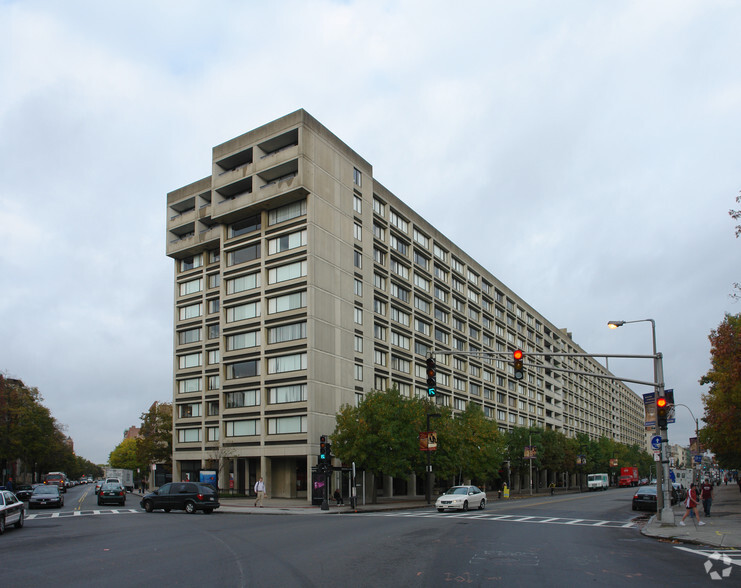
[[428, 475]]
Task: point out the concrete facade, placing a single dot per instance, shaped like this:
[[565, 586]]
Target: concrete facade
[[301, 283]]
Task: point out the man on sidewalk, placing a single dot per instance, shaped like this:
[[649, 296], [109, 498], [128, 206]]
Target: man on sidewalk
[[260, 491], [707, 496]]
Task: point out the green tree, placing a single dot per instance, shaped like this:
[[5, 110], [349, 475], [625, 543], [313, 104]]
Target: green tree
[[722, 402], [155, 442], [381, 435], [126, 456]]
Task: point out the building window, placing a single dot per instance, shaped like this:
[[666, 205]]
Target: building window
[[421, 260], [399, 292], [285, 394], [214, 281], [243, 255], [286, 425], [242, 369], [189, 336], [189, 435], [379, 357], [399, 245], [357, 204], [358, 231], [358, 373], [358, 259], [400, 316], [191, 287], [287, 363], [399, 269], [379, 282], [192, 262], [191, 311], [284, 333], [287, 242], [213, 357], [212, 433], [242, 428], [358, 316], [242, 398], [243, 341], [399, 222], [248, 225], [214, 382], [189, 410], [243, 283], [189, 385], [357, 177], [358, 344], [290, 271], [379, 207], [242, 312], [190, 360], [287, 302], [213, 306], [358, 287], [421, 238], [287, 212]]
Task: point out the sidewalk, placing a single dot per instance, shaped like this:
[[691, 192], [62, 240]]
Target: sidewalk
[[721, 529], [301, 506]]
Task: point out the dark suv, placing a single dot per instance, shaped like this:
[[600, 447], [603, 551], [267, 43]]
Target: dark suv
[[187, 496]]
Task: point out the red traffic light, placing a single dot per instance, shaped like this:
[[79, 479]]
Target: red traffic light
[[661, 402], [517, 354]]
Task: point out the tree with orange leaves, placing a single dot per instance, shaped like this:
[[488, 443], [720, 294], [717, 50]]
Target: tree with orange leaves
[[722, 432]]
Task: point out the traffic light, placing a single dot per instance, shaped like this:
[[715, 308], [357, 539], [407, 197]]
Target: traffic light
[[431, 376], [323, 450], [518, 364], [662, 410]]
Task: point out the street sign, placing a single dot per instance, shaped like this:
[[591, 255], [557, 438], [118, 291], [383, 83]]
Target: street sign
[[656, 442], [698, 459]]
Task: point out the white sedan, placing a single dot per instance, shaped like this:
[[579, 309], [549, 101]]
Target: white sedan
[[11, 511], [461, 498]]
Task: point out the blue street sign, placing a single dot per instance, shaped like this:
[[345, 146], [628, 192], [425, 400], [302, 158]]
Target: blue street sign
[[656, 442], [698, 459]]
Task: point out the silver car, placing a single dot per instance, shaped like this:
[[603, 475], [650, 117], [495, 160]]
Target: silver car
[[461, 498], [11, 511]]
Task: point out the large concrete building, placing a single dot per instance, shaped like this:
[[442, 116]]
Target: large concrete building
[[301, 284]]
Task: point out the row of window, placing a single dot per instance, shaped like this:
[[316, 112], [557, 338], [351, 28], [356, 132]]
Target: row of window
[[247, 368], [244, 428]]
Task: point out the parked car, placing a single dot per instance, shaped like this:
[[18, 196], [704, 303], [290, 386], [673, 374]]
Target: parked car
[[461, 498], [23, 491], [187, 496], [11, 511], [112, 492], [46, 495], [645, 498], [98, 484]]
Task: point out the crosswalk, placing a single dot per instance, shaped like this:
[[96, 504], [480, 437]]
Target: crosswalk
[[80, 513], [511, 518]]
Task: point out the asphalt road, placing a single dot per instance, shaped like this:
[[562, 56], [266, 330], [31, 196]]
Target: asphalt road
[[569, 540]]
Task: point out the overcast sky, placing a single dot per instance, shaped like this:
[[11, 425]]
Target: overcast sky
[[586, 153]]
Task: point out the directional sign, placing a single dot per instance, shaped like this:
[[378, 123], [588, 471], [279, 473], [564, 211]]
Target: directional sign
[[656, 442]]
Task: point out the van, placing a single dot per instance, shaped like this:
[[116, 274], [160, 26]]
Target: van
[[597, 482]]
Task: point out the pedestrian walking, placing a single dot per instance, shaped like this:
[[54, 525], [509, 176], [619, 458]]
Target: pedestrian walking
[[552, 486], [260, 491], [706, 494], [9, 484], [691, 505]]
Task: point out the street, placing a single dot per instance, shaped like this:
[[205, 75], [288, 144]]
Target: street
[[566, 540]]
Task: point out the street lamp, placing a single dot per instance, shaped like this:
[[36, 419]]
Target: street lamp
[[663, 502], [697, 436]]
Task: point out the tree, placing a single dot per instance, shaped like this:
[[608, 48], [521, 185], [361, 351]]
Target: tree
[[155, 442], [722, 433], [381, 435], [126, 456]]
